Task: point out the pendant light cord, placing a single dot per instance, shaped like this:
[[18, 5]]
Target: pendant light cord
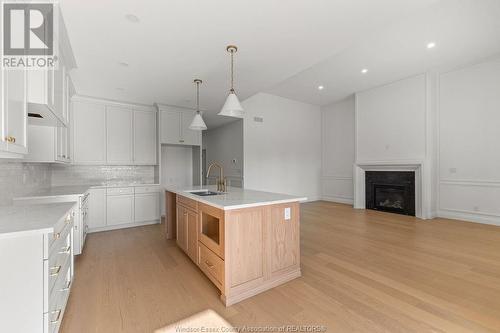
[[198, 97], [232, 72]]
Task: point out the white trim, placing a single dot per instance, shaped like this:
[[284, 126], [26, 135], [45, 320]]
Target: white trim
[[109, 102], [469, 182], [475, 217], [123, 226], [338, 199], [337, 177]]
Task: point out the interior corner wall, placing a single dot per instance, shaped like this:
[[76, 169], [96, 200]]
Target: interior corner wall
[[338, 151], [282, 153], [469, 141]]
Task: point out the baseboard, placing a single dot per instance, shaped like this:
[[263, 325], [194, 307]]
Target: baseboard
[[342, 200], [122, 226], [469, 217]]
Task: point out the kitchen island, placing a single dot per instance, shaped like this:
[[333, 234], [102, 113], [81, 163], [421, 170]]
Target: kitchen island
[[245, 241]]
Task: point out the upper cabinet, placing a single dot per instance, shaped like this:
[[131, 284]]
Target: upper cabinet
[[145, 150], [119, 135], [174, 126], [13, 113], [112, 133], [89, 133]]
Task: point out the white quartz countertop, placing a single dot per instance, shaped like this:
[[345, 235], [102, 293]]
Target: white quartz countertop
[[235, 198], [29, 219], [72, 191]]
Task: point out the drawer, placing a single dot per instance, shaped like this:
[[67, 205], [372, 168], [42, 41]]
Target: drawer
[[120, 190], [58, 258], [147, 189], [59, 228], [211, 265], [189, 203], [62, 284]]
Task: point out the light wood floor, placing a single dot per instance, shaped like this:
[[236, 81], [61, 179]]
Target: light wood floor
[[363, 271]]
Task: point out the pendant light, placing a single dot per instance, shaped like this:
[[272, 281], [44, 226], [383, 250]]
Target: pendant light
[[198, 124], [232, 106]]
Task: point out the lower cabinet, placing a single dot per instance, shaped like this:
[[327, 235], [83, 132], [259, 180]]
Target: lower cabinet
[[187, 230], [39, 273], [116, 207]]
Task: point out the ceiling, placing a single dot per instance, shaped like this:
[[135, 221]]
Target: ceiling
[[286, 47]]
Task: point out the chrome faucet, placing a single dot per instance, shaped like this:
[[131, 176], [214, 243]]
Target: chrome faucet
[[221, 181]]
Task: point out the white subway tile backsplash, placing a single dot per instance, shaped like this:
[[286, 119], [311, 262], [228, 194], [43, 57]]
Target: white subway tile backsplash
[[18, 179], [97, 175]]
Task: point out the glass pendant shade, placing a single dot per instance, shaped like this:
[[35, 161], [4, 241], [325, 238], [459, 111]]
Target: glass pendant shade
[[198, 124], [232, 107]]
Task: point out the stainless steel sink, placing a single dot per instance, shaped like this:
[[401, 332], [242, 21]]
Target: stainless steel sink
[[205, 193]]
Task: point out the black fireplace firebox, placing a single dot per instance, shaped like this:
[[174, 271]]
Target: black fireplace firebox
[[391, 191]]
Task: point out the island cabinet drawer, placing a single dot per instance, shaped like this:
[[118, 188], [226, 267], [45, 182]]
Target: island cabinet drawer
[[211, 264], [61, 229], [120, 191], [189, 203]]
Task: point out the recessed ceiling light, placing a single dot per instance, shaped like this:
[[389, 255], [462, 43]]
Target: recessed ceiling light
[[364, 71], [132, 18], [431, 45], [321, 87], [124, 64]]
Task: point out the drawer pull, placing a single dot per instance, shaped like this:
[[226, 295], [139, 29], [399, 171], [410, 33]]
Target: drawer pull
[[57, 236], [58, 316], [209, 264], [55, 270], [68, 285], [65, 249]]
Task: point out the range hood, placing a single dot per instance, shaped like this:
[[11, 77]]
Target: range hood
[[42, 115]]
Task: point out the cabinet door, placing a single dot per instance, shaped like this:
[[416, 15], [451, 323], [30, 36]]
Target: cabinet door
[[170, 122], [119, 135], [192, 235], [145, 137], [89, 133], [120, 209], [147, 207], [15, 111], [181, 227], [97, 208], [189, 137], [59, 90]]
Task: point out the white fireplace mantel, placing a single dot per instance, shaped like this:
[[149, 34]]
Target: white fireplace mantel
[[422, 202]]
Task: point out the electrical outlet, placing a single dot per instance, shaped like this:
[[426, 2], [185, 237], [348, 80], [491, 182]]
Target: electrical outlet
[[288, 213]]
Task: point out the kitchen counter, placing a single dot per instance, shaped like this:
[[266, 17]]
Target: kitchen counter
[[235, 197], [69, 193], [29, 219]]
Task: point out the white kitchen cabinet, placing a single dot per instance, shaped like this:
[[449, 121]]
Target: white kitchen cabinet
[[145, 137], [97, 208], [147, 204], [14, 137], [170, 127], [119, 135], [89, 133], [120, 206], [174, 127]]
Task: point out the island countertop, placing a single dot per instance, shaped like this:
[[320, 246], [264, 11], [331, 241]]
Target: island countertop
[[235, 197]]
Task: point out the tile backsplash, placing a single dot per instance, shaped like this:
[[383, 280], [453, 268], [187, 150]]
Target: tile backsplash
[[96, 175], [18, 179]]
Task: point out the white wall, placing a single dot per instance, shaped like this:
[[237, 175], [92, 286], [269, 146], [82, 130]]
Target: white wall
[[469, 143], [225, 144], [391, 121], [338, 151], [282, 153]]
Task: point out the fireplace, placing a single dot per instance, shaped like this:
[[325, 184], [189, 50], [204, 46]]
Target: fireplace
[[391, 191]]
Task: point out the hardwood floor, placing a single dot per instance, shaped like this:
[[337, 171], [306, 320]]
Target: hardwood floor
[[363, 271]]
